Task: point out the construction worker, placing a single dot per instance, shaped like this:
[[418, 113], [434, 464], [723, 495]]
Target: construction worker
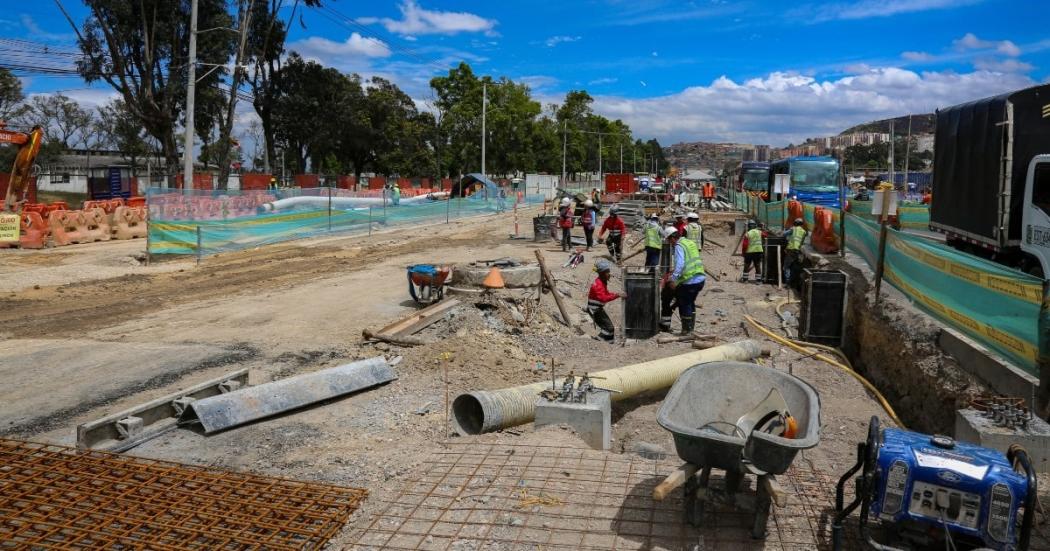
[[709, 194], [395, 195], [589, 220], [693, 229], [598, 297], [753, 251], [654, 241], [273, 183], [680, 223], [683, 283], [565, 223], [795, 237], [616, 228]]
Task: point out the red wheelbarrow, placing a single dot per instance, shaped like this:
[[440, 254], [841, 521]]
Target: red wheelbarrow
[[426, 282]]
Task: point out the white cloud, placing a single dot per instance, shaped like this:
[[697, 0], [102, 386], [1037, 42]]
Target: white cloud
[[38, 33], [87, 97], [969, 41], [864, 9], [555, 40], [1001, 65], [602, 81], [538, 82], [917, 56], [317, 47], [789, 107], [416, 20]]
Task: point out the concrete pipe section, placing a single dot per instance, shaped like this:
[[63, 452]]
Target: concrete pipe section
[[524, 275], [488, 410], [322, 202]]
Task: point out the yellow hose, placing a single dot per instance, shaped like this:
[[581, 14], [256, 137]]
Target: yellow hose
[[809, 352]]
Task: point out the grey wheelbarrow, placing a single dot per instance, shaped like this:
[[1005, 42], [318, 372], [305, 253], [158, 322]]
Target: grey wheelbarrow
[[741, 418]]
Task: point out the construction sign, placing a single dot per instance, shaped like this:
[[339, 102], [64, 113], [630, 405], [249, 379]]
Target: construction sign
[[9, 223]]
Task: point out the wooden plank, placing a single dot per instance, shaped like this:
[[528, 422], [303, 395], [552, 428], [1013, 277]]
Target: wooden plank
[[552, 285], [773, 489], [674, 480], [419, 320]]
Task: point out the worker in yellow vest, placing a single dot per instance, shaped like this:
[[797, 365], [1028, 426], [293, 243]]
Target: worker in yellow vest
[[796, 236], [654, 241], [753, 251], [683, 283], [693, 230]]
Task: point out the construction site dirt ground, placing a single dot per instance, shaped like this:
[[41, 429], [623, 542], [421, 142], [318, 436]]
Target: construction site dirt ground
[[89, 330]]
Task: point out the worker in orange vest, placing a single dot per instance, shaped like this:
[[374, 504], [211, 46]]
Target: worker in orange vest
[[709, 194]]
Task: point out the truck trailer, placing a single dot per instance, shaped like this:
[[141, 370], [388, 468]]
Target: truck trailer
[[991, 178]]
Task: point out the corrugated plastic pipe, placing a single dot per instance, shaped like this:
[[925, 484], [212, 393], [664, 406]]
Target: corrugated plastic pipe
[[488, 410], [345, 202]]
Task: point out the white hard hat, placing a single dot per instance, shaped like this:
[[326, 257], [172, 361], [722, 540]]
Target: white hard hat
[[566, 201], [669, 231], [588, 203], [694, 216]]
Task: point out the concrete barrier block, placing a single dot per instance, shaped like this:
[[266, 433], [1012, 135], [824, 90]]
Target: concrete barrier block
[[592, 421], [972, 426]]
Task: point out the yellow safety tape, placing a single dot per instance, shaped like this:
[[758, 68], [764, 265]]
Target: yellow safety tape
[[1020, 347], [1026, 291]]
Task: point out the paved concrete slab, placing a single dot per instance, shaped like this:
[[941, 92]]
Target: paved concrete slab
[[973, 427]]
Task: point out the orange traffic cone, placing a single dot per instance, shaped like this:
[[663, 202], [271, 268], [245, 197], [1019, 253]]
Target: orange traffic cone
[[494, 280]]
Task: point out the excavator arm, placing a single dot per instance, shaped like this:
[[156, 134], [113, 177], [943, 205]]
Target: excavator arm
[[28, 147]]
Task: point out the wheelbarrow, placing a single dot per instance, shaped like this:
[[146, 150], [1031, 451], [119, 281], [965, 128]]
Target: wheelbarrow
[[426, 282], [741, 418]]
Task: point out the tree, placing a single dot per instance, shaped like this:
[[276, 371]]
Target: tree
[[140, 49], [263, 53], [301, 111], [458, 102], [573, 118], [10, 94], [119, 129], [64, 121]]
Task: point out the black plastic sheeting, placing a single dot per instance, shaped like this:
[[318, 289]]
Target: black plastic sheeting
[[971, 143]]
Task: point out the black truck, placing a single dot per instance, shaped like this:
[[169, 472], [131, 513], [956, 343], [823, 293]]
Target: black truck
[[991, 178]]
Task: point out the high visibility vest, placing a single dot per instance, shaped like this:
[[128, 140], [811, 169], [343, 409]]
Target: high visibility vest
[[754, 240], [653, 240], [694, 265], [693, 231], [798, 235]]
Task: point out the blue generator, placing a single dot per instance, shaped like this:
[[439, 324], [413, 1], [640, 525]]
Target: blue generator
[[931, 491]]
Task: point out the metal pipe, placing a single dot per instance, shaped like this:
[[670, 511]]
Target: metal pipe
[[488, 410]]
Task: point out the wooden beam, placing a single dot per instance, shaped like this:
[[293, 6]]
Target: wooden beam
[[399, 340], [421, 319], [565, 316], [674, 480]]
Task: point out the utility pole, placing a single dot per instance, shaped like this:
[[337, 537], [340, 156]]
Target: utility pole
[[564, 142], [907, 153], [191, 68], [600, 157], [621, 154], [484, 108], [892, 179]]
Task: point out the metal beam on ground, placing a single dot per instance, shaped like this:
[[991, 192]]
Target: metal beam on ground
[[261, 401], [133, 426]]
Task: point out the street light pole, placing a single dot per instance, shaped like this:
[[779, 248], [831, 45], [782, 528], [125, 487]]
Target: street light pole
[[600, 157], [484, 109], [191, 68], [564, 142]]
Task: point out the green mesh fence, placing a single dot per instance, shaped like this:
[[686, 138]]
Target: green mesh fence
[[231, 220], [990, 303]]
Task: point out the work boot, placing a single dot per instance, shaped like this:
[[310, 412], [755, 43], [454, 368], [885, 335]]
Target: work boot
[[688, 322], [743, 278]]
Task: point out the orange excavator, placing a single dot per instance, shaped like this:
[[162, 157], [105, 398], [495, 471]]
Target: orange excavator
[[28, 147]]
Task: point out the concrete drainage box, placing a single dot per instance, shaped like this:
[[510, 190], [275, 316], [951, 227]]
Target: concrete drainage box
[[822, 316]]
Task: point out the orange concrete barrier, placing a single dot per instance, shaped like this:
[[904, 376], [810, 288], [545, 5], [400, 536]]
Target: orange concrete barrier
[[66, 227], [794, 212], [96, 225], [34, 232], [136, 201], [129, 223], [824, 239]]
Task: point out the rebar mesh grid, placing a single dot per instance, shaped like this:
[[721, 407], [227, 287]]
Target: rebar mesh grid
[[56, 497], [484, 496]]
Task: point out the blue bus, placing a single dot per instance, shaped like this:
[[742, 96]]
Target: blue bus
[[813, 179], [753, 176]]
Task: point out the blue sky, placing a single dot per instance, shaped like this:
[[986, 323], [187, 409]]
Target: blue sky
[[759, 71]]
